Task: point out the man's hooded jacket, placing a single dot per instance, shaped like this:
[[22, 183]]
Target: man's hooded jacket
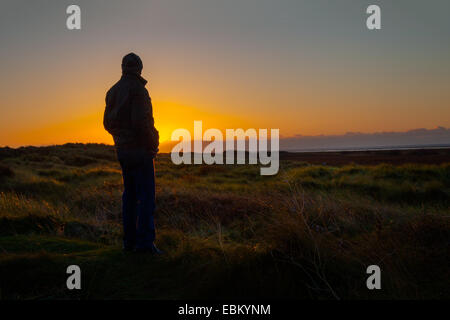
[[128, 114]]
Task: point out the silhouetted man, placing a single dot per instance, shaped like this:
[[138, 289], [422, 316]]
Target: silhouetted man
[[129, 119]]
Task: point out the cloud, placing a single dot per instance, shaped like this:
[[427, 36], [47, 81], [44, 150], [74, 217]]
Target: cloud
[[355, 140]]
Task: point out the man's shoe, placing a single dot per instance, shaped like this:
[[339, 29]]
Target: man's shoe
[[155, 250]]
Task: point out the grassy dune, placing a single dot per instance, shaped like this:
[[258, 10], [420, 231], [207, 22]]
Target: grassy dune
[[308, 232]]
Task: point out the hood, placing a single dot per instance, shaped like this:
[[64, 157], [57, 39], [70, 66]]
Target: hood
[[132, 64]]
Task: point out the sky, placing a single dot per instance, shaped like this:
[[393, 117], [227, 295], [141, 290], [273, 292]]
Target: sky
[[305, 67]]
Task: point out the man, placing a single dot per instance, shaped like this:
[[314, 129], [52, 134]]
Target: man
[[129, 119]]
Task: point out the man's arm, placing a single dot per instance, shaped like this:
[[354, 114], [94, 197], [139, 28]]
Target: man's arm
[[116, 102], [142, 119]]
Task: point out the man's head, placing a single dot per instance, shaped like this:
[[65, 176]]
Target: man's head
[[132, 64]]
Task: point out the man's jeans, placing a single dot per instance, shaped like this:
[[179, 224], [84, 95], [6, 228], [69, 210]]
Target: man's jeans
[[138, 200]]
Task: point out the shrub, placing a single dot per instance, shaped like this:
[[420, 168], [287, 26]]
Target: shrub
[[5, 171]]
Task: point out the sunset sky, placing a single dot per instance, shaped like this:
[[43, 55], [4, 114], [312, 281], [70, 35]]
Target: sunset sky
[[305, 67]]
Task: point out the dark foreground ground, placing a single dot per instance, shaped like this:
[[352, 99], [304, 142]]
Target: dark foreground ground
[[309, 232]]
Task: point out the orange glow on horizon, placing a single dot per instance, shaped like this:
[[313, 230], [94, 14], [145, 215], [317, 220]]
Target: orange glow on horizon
[[89, 128]]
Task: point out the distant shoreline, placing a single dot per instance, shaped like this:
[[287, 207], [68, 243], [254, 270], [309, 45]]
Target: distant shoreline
[[349, 149], [380, 148]]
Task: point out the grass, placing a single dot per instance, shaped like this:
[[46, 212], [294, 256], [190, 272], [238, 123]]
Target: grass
[[308, 232]]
